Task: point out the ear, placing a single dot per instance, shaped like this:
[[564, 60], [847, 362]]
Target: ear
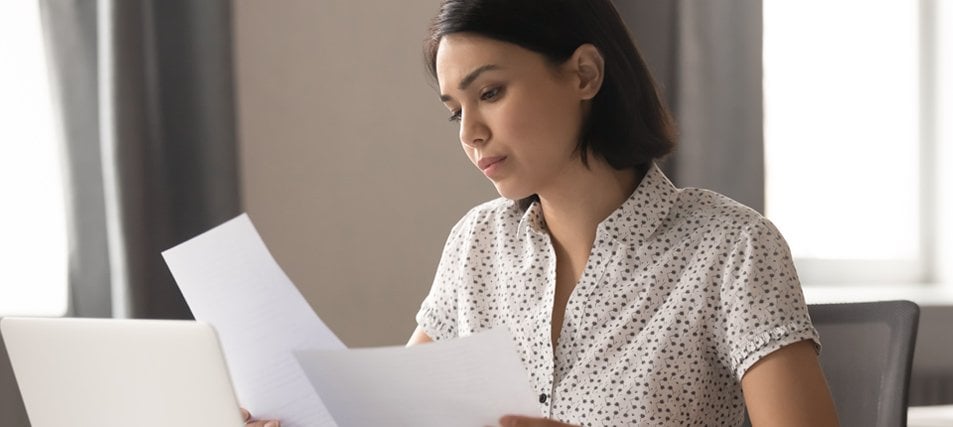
[[588, 67]]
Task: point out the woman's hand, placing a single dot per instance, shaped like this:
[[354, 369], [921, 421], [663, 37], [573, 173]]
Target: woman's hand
[[249, 421], [518, 421]]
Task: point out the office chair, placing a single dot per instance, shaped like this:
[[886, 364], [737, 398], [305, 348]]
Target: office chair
[[867, 354]]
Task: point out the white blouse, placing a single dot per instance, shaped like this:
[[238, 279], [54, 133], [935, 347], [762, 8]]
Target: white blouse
[[683, 291]]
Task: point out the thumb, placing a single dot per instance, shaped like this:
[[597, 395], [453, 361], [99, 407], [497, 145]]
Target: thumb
[[518, 421]]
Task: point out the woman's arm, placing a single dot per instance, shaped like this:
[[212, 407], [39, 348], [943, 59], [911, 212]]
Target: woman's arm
[[419, 337], [788, 388]]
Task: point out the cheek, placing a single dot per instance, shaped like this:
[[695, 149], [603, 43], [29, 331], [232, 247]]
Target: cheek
[[544, 123]]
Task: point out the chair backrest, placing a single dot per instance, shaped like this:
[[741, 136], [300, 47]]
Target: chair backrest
[[866, 354]]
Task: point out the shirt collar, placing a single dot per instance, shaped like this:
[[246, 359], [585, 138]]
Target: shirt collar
[[533, 218], [638, 217], [642, 213]]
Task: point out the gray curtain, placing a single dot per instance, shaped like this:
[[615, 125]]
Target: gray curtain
[[167, 132], [706, 56], [146, 112], [71, 36]]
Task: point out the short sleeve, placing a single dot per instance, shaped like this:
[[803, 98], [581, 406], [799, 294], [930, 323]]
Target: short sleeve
[[438, 312], [761, 298]]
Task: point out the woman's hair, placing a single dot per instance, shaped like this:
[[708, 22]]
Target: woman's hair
[[627, 125]]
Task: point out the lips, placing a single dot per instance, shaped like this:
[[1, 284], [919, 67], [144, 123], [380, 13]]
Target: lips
[[486, 162]]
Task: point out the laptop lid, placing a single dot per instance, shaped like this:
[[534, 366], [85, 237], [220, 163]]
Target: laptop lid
[[119, 372]]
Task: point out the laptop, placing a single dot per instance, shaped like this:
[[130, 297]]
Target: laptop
[[119, 372]]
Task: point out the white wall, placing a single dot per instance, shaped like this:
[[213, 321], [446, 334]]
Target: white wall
[[349, 168]]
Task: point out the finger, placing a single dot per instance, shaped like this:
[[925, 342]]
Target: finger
[[263, 423], [515, 421], [518, 421], [245, 414]]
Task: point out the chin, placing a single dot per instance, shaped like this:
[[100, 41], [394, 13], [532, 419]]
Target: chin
[[509, 192]]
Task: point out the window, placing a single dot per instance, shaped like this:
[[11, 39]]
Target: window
[[33, 253], [943, 154], [853, 153]]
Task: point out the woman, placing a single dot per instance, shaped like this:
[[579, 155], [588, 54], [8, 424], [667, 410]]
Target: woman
[[631, 301]]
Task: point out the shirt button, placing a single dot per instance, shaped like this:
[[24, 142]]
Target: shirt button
[[542, 398]]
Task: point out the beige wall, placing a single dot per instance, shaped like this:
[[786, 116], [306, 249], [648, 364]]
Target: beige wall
[[350, 170]]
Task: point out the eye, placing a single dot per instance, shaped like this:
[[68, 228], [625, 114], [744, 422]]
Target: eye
[[455, 116], [491, 94]]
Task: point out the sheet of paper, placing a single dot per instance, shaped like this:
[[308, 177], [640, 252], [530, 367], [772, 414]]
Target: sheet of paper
[[231, 281], [470, 381]]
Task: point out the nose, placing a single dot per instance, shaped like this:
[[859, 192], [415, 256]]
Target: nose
[[473, 129]]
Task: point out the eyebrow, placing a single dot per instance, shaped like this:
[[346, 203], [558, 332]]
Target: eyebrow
[[470, 78]]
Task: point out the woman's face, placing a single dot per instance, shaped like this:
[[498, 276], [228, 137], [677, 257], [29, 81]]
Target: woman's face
[[519, 116]]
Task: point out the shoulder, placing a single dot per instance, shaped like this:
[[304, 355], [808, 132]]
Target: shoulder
[[497, 212], [494, 211], [717, 223], [714, 213], [494, 215]]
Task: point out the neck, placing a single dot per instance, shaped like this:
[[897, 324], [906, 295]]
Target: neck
[[584, 197]]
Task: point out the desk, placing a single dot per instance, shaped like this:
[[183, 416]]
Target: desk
[[930, 416]]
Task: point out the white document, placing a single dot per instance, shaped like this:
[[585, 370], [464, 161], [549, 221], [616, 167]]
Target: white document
[[231, 281], [469, 382]]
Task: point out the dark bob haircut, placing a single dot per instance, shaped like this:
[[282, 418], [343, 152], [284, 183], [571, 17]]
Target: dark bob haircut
[[628, 125]]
